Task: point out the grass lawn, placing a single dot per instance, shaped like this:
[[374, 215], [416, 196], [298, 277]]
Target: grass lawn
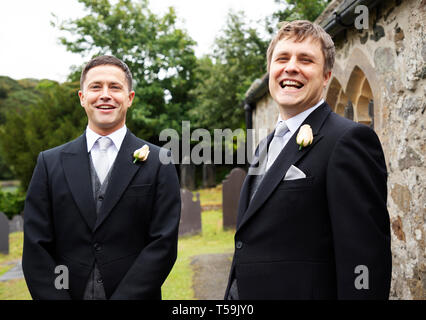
[[13, 289], [179, 283], [211, 196], [212, 240]]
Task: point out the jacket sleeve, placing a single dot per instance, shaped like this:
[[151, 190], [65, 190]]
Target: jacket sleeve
[[38, 260], [151, 268], [357, 195]]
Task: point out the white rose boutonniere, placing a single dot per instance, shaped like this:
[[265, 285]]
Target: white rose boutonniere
[[141, 154], [304, 137]]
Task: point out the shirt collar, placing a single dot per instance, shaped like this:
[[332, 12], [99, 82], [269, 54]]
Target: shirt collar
[[117, 137], [294, 122]]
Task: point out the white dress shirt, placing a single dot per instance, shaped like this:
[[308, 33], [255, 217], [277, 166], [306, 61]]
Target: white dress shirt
[[117, 138], [295, 122]]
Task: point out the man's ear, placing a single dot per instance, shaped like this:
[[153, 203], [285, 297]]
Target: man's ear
[[327, 77], [81, 96], [131, 97]]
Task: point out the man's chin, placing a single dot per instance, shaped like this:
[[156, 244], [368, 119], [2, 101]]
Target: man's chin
[[290, 104]]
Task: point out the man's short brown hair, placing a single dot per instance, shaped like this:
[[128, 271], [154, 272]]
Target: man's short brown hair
[[107, 60], [300, 30]]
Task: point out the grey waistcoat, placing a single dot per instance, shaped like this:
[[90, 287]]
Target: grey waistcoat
[[94, 287]]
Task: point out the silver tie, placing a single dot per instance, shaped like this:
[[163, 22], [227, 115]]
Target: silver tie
[[102, 163], [276, 144]]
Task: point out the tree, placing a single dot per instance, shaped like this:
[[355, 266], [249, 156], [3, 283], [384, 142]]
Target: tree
[[160, 56], [224, 76], [16, 95], [296, 10], [53, 119]]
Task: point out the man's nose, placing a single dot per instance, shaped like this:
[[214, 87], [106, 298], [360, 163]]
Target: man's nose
[[292, 66], [105, 94]]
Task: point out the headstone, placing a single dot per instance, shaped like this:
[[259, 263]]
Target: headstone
[[231, 189], [4, 234], [209, 175], [187, 175], [16, 224], [190, 217]]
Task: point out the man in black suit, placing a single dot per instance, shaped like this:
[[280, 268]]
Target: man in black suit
[[314, 224], [108, 215]]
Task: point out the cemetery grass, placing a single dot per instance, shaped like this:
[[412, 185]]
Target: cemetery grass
[[211, 196], [178, 286], [8, 261], [213, 239], [13, 289]]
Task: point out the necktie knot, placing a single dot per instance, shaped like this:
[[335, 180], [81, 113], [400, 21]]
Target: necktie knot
[[104, 143], [281, 129]]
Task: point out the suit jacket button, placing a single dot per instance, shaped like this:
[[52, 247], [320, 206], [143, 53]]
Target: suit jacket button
[[97, 247], [100, 280], [239, 245]]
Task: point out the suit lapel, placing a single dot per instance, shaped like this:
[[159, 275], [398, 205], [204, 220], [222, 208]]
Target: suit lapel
[[123, 171], [255, 168], [288, 156], [75, 161]]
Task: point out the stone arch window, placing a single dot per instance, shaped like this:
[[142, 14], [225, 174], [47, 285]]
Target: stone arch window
[[336, 97], [360, 94]]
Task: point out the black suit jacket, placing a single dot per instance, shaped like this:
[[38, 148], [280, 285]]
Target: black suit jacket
[[134, 239], [303, 239]]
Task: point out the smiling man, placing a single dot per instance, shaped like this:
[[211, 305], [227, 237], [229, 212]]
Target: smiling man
[[110, 223], [315, 225]]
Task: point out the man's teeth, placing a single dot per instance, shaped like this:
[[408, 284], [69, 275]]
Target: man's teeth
[[291, 83], [105, 107]]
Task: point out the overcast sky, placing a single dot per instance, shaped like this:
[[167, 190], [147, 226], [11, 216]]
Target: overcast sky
[[29, 45]]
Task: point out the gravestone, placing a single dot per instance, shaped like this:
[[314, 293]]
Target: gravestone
[[4, 234], [16, 224], [187, 175], [190, 216], [231, 195], [209, 175]]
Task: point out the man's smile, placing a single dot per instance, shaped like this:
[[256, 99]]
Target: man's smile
[[291, 83], [105, 107]]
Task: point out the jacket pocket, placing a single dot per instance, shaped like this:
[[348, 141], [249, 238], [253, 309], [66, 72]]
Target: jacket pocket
[[138, 190], [297, 184]]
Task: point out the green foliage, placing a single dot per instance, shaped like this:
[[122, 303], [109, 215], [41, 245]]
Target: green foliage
[[5, 172], [15, 95], [53, 119], [224, 77], [8, 84], [160, 56], [12, 203], [296, 10]]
